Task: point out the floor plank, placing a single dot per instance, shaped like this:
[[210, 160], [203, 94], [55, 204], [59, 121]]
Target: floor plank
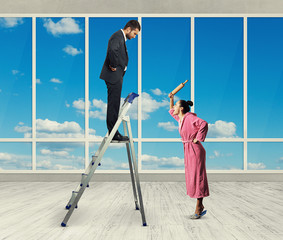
[[236, 210]]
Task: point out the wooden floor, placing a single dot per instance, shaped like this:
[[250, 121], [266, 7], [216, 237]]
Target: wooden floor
[[236, 210]]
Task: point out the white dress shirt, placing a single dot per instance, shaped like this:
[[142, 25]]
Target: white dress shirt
[[125, 41]]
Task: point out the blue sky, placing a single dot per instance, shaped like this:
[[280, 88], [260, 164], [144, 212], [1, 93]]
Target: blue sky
[[166, 63], [265, 77], [15, 75], [61, 77], [219, 74], [265, 156]]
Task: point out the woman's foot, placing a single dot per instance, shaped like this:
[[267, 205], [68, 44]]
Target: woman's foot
[[199, 210]]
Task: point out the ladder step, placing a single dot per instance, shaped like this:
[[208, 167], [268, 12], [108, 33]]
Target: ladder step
[[84, 176], [93, 160], [73, 197]]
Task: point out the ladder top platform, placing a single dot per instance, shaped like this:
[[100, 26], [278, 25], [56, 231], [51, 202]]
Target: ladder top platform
[[130, 98]]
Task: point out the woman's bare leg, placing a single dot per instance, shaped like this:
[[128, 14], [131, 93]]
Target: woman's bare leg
[[199, 206]]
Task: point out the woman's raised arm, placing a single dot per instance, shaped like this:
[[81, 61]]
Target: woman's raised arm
[[171, 96]]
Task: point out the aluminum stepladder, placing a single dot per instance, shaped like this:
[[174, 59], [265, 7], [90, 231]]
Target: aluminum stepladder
[[86, 177]]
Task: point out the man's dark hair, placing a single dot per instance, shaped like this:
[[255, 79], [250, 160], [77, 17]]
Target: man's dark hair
[[133, 24]]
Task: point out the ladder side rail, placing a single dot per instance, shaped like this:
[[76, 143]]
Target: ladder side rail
[[136, 173], [131, 167]]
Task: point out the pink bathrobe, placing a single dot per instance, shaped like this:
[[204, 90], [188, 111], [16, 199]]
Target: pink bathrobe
[[195, 171]]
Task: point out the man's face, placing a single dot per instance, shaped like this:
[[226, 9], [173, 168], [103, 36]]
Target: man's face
[[132, 33]]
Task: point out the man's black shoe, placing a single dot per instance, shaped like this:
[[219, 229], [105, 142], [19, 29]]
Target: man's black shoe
[[119, 137]]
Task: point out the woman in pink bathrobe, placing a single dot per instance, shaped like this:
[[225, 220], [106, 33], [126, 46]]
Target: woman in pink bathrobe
[[193, 131]]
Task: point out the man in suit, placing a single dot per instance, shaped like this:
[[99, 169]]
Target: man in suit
[[114, 69]]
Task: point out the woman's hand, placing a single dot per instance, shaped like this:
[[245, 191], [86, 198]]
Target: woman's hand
[[195, 140], [170, 95]]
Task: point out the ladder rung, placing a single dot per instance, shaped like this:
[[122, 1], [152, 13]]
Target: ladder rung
[[84, 176], [73, 197]]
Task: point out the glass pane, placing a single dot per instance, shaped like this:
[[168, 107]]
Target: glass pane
[[115, 157], [265, 77], [60, 71], [224, 156], [162, 156], [165, 64], [60, 156], [265, 156], [100, 30], [219, 75], [15, 77], [15, 156]]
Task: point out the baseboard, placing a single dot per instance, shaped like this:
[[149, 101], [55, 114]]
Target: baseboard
[[144, 177]]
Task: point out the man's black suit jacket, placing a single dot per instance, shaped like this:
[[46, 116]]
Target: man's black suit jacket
[[116, 57]]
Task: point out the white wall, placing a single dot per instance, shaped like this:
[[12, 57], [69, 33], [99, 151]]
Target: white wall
[[141, 6]]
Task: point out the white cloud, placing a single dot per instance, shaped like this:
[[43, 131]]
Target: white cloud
[[14, 72], [55, 80], [10, 22], [256, 166], [101, 108], [217, 154], [5, 156], [15, 161], [149, 105], [0, 90], [163, 162], [64, 167], [157, 92], [53, 126], [64, 26], [38, 81], [79, 104], [67, 104], [280, 160], [169, 126], [72, 51], [22, 129], [44, 164], [222, 129], [116, 164], [47, 164], [54, 153], [124, 166], [52, 129]]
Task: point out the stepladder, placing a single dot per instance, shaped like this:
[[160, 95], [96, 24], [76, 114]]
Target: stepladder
[[96, 159]]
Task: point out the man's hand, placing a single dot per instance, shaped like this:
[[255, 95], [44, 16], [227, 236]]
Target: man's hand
[[112, 69], [195, 140]]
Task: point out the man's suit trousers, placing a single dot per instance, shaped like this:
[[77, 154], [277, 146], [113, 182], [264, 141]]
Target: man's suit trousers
[[113, 103]]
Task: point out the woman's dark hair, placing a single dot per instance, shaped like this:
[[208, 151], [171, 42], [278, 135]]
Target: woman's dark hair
[[186, 105], [133, 24]]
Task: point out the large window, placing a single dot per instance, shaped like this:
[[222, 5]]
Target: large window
[[50, 69], [15, 77], [166, 59], [265, 77], [60, 77], [219, 75]]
